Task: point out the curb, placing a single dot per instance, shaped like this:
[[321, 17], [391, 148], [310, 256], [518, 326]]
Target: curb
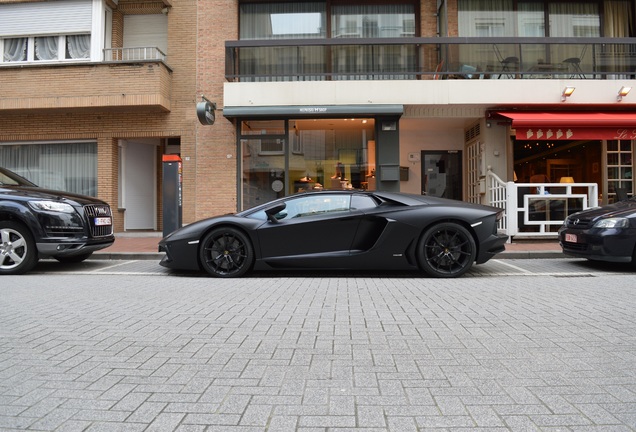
[[529, 255]]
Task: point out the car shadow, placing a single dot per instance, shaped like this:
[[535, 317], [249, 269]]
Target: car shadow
[[605, 266]]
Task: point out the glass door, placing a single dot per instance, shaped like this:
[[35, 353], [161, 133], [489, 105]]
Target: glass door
[[442, 174]]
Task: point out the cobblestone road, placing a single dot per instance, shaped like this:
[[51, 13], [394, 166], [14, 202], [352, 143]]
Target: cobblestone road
[[137, 351]]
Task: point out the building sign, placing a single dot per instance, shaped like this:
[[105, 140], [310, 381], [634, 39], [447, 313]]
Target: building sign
[[205, 112], [575, 133]]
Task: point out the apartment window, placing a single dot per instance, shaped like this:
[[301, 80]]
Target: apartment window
[[373, 21], [67, 166], [46, 48], [45, 30], [527, 18], [78, 46], [14, 49], [297, 20]]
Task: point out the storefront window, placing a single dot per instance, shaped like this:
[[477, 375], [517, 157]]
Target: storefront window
[[556, 162], [619, 169], [281, 157]]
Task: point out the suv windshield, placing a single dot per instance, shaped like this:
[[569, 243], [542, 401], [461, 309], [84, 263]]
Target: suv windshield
[[8, 178]]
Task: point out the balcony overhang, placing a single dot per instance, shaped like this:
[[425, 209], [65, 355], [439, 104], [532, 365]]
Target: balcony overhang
[[117, 86], [460, 95]]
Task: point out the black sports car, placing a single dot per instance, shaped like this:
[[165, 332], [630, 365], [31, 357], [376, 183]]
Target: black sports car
[[341, 230], [605, 233]]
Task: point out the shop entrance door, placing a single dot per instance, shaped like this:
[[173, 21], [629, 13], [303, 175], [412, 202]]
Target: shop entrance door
[[442, 174]]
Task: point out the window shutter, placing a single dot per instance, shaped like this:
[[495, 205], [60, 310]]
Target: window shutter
[[42, 18], [146, 31]]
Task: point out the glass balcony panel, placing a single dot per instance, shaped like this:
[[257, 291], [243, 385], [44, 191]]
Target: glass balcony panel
[[425, 58]]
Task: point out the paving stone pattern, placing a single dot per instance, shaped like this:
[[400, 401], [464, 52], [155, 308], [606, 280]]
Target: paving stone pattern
[[153, 353]]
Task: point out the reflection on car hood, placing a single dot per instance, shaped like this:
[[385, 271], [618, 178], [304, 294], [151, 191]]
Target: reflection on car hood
[[31, 193], [620, 209]]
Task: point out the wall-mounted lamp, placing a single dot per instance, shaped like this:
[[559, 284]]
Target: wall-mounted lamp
[[624, 91], [567, 92], [165, 11]]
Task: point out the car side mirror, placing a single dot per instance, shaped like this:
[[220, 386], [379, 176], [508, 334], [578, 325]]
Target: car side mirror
[[273, 211]]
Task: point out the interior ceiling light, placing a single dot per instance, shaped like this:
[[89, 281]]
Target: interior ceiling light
[[624, 91], [567, 92]]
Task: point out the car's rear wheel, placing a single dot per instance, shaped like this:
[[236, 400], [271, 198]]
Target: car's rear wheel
[[74, 258], [446, 250], [226, 252], [18, 253]]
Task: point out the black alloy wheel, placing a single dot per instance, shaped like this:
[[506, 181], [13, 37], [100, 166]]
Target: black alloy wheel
[[226, 252], [18, 253], [446, 250]]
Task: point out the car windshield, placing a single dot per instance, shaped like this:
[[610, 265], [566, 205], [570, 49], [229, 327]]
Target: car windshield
[[8, 178]]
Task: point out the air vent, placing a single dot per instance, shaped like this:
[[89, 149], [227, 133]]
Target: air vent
[[472, 133]]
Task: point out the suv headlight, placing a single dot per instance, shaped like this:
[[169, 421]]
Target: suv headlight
[[615, 222], [52, 206]]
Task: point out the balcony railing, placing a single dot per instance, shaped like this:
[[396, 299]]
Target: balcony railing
[[429, 58], [134, 54]]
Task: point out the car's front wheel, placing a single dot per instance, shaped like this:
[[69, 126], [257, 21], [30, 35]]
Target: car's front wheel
[[226, 252], [446, 250], [18, 253]]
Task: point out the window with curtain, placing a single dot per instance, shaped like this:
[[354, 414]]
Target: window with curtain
[[617, 23], [574, 19], [485, 18], [373, 21], [78, 46], [303, 20], [69, 167], [15, 49], [298, 20], [46, 48]]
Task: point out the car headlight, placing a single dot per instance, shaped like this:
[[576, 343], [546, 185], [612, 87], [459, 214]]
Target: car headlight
[[614, 222], [52, 206]]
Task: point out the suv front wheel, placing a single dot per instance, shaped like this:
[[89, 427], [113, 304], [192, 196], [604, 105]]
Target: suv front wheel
[[18, 253]]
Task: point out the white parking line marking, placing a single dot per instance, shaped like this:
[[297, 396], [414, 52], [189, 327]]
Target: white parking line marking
[[113, 266], [514, 266]]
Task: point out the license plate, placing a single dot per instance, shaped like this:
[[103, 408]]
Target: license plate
[[571, 238], [102, 221]]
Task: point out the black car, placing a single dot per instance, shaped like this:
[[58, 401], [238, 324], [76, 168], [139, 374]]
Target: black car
[[37, 223], [605, 233], [341, 230]]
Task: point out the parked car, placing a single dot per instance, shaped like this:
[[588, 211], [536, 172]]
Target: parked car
[[38, 223], [605, 233], [341, 230]]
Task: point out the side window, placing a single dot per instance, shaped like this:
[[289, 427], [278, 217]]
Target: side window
[[362, 202], [310, 206], [317, 204]]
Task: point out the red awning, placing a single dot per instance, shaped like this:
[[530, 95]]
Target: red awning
[[573, 125]]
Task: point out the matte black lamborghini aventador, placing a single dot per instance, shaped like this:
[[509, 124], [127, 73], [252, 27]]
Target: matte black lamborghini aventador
[[341, 230]]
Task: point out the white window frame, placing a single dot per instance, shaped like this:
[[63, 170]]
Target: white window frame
[[61, 52]]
